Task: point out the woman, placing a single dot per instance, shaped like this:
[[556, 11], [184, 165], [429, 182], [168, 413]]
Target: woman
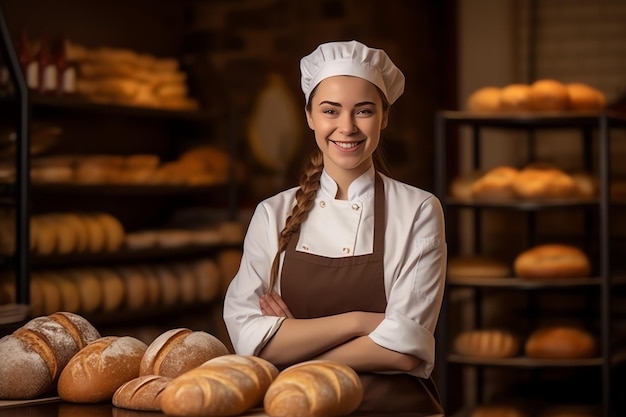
[[350, 265]]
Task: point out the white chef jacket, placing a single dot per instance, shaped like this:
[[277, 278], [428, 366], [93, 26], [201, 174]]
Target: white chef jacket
[[414, 261]]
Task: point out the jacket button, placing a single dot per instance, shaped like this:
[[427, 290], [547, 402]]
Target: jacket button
[[355, 207], [346, 250], [322, 204]]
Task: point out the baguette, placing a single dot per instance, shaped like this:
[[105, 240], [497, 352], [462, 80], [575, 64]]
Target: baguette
[[35, 354], [224, 386], [141, 393], [177, 351], [100, 368], [316, 388]]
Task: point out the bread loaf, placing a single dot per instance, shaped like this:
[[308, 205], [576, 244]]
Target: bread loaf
[[496, 183], [35, 354], [548, 95], [485, 100], [544, 182], [177, 351], [561, 342], [224, 386], [552, 261], [487, 343], [100, 368], [477, 267], [515, 97], [141, 393], [317, 388]]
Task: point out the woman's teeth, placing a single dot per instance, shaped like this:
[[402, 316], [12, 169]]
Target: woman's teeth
[[346, 145]]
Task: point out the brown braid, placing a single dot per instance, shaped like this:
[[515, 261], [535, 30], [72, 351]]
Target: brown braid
[[305, 197]]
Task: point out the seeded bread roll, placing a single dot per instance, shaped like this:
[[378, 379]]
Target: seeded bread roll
[[561, 342], [179, 350], [35, 354], [227, 385], [317, 388], [141, 393], [487, 343], [552, 261], [100, 368]]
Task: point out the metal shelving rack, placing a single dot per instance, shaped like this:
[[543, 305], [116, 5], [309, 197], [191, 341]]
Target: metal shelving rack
[[586, 123]]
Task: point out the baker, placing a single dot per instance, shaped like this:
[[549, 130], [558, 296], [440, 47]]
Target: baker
[[350, 265]]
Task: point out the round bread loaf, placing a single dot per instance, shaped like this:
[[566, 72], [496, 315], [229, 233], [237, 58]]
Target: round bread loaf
[[461, 186], [96, 241], [497, 411], [70, 294], [113, 231], [100, 368], [552, 261], [51, 300], [477, 267], [89, 288], [36, 353], [561, 342], [538, 182], [227, 385], [209, 281], [135, 288], [168, 283], [141, 393], [317, 388], [548, 95], [179, 350], [485, 100], [113, 288], [515, 97], [496, 183], [583, 97], [487, 343]]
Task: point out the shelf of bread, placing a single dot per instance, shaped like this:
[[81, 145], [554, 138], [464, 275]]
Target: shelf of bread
[[525, 362]]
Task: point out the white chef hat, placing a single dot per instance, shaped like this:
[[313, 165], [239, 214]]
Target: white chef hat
[[351, 58]]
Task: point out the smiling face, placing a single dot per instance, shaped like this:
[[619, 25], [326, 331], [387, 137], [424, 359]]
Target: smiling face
[[347, 114]]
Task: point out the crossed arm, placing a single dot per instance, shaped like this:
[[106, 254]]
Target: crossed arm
[[341, 337]]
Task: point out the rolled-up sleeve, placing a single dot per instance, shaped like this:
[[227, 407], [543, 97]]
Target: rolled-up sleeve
[[248, 328], [415, 268]]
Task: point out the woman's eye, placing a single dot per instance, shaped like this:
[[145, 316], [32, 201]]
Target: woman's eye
[[364, 112]]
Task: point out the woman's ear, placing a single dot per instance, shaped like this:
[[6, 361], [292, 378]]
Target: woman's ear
[[385, 120], [309, 119]]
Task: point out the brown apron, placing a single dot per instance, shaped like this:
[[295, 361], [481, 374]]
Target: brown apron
[[315, 286]]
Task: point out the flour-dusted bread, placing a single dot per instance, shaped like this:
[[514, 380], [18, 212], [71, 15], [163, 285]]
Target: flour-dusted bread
[[227, 385], [141, 393], [177, 351], [316, 388], [100, 368], [35, 354], [487, 343]]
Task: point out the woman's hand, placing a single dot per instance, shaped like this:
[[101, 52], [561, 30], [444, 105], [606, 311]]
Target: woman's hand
[[273, 305]]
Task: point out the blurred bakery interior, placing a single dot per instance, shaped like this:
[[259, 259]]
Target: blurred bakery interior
[[152, 129]]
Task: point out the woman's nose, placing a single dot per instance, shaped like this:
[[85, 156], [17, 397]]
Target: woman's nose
[[348, 125]]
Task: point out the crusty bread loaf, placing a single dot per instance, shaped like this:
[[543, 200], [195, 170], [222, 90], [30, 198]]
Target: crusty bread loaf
[[35, 354], [548, 95], [544, 182], [177, 351], [497, 411], [485, 100], [141, 393], [515, 97], [100, 368], [561, 342], [552, 261], [496, 183], [316, 388], [487, 343], [227, 385], [584, 97], [477, 267]]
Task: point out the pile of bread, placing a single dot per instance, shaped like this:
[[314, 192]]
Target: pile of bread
[[124, 76], [181, 373], [541, 262], [543, 95], [549, 342], [537, 181], [201, 165], [63, 233]]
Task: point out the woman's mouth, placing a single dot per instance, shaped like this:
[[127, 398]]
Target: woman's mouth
[[347, 145]]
